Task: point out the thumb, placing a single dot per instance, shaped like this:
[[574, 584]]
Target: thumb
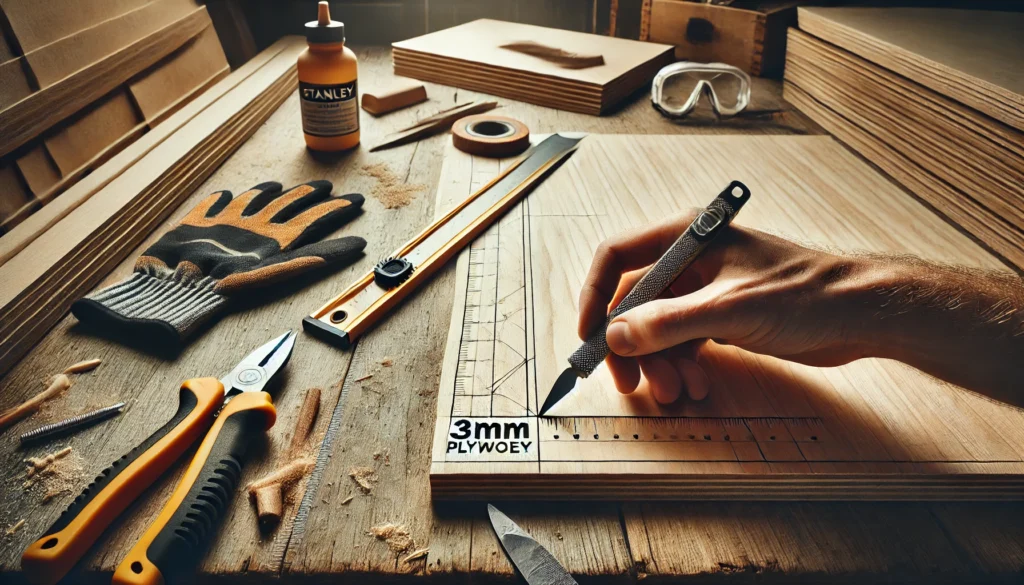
[[664, 323]]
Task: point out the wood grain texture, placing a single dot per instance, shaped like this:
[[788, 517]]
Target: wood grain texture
[[978, 159], [972, 56], [75, 88], [742, 539], [173, 82], [770, 429]]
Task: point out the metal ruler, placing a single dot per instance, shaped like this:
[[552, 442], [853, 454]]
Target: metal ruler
[[345, 317]]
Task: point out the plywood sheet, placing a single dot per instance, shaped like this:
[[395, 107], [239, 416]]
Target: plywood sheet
[[91, 131], [169, 84], [973, 56], [771, 429], [35, 24], [38, 169]]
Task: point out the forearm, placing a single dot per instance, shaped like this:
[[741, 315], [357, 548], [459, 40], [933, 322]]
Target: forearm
[[965, 326]]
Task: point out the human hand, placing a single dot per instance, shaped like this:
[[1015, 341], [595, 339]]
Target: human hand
[[749, 289]]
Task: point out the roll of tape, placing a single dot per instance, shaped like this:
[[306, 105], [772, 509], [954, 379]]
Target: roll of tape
[[487, 135]]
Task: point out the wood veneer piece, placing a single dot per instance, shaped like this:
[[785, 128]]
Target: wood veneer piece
[[14, 81], [170, 84], [37, 24], [38, 169], [770, 429], [972, 56], [92, 131], [61, 97], [400, 93]]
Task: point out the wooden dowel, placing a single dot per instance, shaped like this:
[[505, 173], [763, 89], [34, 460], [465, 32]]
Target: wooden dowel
[[304, 422]]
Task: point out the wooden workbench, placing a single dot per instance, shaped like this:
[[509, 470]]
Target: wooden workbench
[[387, 422]]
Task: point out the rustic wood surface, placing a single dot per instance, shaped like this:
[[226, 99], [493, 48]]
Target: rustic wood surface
[[387, 422]]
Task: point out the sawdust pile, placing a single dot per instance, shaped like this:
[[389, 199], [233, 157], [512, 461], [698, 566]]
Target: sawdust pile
[[364, 477], [390, 190], [55, 474], [396, 535]]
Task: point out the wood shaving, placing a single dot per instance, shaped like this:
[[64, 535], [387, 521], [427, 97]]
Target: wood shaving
[[55, 474], [416, 554], [57, 386], [82, 367], [364, 378], [284, 476], [387, 362], [11, 530], [396, 535], [390, 190], [364, 477], [346, 501]]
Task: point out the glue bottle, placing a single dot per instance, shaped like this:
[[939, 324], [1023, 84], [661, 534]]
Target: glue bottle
[[328, 95]]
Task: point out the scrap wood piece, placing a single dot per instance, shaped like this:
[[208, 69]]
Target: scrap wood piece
[[416, 555], [304, 423], [560, 57], [83, 366], [13, 529], [37, 465], [267, 492], [60, 383], [364, 477]]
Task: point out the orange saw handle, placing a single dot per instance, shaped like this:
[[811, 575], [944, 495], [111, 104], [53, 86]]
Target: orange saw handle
[[173, 543], [48, 559]]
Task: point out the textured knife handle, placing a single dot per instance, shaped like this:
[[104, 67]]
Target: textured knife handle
[[665, 271], [50, 557], [174, 542]]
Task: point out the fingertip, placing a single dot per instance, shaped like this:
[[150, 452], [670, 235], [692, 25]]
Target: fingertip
[[694, 378], [625, 373]]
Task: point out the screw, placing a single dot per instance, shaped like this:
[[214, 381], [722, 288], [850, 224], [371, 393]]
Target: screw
[[72, 423]]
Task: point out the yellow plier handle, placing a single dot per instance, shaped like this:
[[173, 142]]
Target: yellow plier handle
[[50, 557], [173, 543]]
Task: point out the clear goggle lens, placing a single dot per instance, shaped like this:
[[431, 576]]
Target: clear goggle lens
[[678, 88]]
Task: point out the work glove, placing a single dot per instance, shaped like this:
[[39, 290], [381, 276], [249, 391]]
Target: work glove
[[221, 249]]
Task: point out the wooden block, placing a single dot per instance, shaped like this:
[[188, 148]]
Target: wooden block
[[82, 137], [38, 169], [972, 56], [753, 40], [771, 429], [168, 85], [41, 110], [400, 93]]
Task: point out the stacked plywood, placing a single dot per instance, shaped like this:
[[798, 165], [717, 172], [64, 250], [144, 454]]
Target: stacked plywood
[[934, 97], [58, 254], [82, 79], [471, 56]]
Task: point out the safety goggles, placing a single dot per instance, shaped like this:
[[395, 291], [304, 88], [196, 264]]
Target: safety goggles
[[677, 88]]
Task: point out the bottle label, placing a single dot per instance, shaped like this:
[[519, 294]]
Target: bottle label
[[329, 110]]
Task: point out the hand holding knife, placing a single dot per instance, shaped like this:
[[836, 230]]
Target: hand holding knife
[[708, 224]]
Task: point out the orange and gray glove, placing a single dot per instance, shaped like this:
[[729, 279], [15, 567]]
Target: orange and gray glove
[[224, 247]]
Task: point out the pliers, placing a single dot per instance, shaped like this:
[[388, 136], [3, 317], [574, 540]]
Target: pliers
[[232, 411]]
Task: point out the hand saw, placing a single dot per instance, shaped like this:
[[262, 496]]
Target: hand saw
[[348, 315]]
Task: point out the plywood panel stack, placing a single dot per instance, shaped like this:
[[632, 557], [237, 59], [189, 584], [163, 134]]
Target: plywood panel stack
[[82, 79], [58, 254], [471, 56], [933, 97]]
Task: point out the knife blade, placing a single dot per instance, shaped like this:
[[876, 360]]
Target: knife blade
[[708, 224], [535, 563]]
